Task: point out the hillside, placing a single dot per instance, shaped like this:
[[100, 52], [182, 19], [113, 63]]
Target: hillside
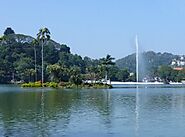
[[147, 60], [17, 57], [21, 38]]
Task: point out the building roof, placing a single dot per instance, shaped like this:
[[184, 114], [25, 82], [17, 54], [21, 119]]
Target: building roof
[[178, 68]]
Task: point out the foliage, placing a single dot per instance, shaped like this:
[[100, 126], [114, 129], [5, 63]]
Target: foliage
[[43, 36], [123, 75], [20, 60], [9, 31], [150, 60], [54, 71], [168, 74], [17, 55], [39, 84], [106, 63], [76, 77]]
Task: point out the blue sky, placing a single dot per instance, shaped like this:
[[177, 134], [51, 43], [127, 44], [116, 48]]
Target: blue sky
[[95, 28]]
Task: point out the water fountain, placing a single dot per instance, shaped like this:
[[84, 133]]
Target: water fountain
[[137, 92], [137, 59], [139, 72]]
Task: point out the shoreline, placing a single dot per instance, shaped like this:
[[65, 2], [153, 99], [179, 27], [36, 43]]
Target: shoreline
[[67, 85]]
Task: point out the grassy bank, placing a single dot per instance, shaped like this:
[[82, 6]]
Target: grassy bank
[[67, 85], [39, 84]]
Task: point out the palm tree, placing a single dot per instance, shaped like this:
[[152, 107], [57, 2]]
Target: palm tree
[[76, 76], [30, 73], [43, 36], [106, 63], [35, 43], [54, 71]]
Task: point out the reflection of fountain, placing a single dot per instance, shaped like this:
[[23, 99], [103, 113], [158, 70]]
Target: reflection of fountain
[[42, 116], [137, 112]]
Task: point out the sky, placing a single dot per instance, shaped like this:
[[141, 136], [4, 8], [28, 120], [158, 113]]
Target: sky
[[96, 28]]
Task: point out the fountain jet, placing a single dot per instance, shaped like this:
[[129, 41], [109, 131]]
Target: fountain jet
[[137, 59]]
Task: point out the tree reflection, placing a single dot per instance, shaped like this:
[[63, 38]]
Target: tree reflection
[[34, 110]]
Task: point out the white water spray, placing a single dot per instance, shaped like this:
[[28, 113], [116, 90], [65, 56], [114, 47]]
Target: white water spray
[[137, 59]]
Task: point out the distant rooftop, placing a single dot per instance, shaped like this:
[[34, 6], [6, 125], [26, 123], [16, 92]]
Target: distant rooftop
[[178, 68]]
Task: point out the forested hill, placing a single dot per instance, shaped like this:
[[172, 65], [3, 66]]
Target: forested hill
[[150, 60], [17, 57], [20, 60]]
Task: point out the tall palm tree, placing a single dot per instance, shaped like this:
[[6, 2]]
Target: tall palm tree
[[43, 36], [35, 43], [107, 62]]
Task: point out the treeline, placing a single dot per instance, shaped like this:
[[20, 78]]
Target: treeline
[[147, 60], [154, 66], [168, 74], [21, 60]]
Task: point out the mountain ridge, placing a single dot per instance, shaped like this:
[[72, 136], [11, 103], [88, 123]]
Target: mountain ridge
[[151, 60]]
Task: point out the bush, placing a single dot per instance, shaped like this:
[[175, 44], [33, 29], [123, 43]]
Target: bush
[[53, 85], [39, 84]]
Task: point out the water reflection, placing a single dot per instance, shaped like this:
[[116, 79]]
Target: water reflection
[[116, 112], [137, 112]]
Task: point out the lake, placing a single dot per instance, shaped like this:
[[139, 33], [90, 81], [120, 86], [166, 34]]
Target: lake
[[126, 112]]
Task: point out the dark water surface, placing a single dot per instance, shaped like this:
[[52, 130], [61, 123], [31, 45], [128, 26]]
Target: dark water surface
[[129, 112]]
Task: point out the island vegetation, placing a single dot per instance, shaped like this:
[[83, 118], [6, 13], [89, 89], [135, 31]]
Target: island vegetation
[[35, 61], [40, 62]]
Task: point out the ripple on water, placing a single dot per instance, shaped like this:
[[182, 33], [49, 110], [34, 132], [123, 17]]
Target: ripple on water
[[115, 112]]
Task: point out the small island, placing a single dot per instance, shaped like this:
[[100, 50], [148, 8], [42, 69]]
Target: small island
[[67, 85], [42, 62]]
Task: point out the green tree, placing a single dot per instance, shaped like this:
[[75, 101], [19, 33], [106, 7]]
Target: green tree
[[54, 71], [64, 74], [64, 48], [106, 63], [29, 73], [9, 31], [180, 75], [166, 73], [91, 73], [123, 75], [21, 66], [51, 53], [76, 76], [43, 36]]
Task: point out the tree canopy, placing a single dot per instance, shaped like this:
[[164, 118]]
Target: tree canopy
[[20, 59], [9, 31]]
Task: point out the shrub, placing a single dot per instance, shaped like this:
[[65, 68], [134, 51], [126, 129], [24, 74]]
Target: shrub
[[39, 84]]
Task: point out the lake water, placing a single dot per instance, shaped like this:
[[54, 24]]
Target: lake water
[[128, 112]]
